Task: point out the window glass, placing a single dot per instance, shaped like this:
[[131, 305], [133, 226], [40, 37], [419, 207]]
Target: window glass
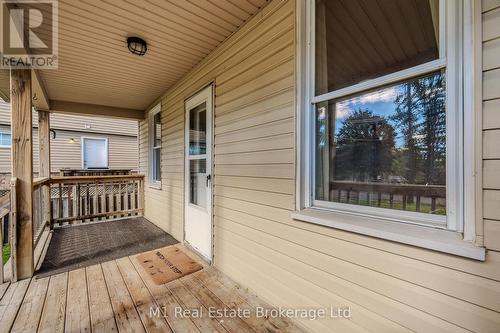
[[5, 139], [385, 148], [197, 182], [357, 40], [198, 130], [156, 148], [157, 130]]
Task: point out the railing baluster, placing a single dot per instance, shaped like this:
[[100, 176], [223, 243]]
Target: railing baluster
[[433, 204], [59, 207], [119, 201], [94, 201], [417, 203], [78, 201]]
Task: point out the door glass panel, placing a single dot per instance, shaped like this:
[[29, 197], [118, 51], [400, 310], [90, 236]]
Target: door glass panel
[[198, 182], [198, 130]]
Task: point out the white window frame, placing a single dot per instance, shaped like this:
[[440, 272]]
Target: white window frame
[[154, 183], [82, 149], [7, 133], [454, 233]]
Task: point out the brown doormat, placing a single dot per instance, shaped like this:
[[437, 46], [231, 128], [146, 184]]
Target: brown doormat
[[167, 264]]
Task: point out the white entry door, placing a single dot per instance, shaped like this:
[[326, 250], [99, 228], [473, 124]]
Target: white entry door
[[198, 173], [94, 153]]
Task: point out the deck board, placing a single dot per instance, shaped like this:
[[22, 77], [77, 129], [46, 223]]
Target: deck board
[[117, 295], [10, 304], [54, 309], [143, 300], [30, 311], [167, 302], [77, 307], [127, 318], [101, 313]]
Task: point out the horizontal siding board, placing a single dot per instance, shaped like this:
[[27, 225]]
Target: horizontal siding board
[[488, 5], [491, 82], [264, 117], [491, 28], [491, 148], [277, 127], [491, 114], [286, 156], [491, 178], [259, 107], [286, 186], [264, 171], [273, 142], [492, 234], [491, 203], [491, 54], [279, 200]]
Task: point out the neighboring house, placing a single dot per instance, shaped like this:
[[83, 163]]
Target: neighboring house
[[80, 142]]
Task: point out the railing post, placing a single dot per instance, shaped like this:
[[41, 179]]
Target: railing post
[[22, 167]]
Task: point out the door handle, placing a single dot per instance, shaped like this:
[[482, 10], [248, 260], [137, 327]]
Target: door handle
[[208, 178]]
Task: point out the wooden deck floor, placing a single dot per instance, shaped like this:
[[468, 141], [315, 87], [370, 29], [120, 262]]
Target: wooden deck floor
[[117, 295]]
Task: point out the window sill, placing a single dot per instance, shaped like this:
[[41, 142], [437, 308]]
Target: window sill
[[155, 186], [426, 237]]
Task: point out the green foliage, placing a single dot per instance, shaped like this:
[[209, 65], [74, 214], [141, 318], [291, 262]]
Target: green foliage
[[6, 252]]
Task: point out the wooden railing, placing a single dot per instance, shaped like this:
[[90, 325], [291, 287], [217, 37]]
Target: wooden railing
[[41, 207], [386, 193], [4, 213], [79, 199]]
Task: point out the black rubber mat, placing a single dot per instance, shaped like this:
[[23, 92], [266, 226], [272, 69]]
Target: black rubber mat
[[84, 245]]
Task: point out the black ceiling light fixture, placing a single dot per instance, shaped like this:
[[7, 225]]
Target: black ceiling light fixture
[[137, 45]]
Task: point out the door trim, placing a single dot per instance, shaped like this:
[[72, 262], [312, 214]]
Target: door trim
[[205, 94]]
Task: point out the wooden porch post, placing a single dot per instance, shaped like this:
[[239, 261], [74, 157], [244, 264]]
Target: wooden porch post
[[22, 168], [44, 160]]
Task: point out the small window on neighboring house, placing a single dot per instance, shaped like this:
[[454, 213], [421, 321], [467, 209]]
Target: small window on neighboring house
[[5, 140], [155, 144], [94, 153], [385, 96]]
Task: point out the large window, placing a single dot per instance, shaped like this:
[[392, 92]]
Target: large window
[[5, 140], [155, 146], [382, 126]]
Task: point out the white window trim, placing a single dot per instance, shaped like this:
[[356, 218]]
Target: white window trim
[[152, 182], [8, 133], [82, 148], [463, 181]]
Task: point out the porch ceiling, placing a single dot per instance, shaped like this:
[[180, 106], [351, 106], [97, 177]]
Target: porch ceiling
[[95, 66]]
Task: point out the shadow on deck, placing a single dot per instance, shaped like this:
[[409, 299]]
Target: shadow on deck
[[83, 245]]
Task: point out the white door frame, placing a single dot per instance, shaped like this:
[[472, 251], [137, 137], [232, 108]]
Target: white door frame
[[204, 95], [82, 148]]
